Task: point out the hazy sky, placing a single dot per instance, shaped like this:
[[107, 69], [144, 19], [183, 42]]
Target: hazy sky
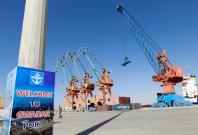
[[173, 24]]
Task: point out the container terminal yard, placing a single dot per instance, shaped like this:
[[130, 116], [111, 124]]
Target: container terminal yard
[[173, 121], [79, 94]]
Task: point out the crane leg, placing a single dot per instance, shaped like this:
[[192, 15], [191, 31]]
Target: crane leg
[[97, 97], [105, 98], [112, 98], [168, 88], [72, 101], [67, 101], [92, 98]]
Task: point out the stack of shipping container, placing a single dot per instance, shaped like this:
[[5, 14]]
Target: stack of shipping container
[[124, 105]]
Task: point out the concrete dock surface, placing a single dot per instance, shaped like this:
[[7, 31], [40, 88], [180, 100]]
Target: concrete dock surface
[[166, 121]]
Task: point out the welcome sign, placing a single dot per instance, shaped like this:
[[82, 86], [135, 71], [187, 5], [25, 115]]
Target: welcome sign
[[33, 102]]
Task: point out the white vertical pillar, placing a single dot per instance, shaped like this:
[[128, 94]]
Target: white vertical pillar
[[33, 37]]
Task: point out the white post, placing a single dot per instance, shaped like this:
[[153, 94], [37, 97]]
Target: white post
[[33, 37]]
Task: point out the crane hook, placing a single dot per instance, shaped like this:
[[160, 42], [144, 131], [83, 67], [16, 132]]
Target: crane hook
[[126, 61]]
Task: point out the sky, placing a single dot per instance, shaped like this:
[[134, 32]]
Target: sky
[[95, 24]]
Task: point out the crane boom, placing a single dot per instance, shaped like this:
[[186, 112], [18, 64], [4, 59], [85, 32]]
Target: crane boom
[[61, 62], [86, 52], [166, 73], [148, 46], [74, 61]]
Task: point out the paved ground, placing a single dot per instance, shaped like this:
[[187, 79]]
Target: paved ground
[[173, 121]]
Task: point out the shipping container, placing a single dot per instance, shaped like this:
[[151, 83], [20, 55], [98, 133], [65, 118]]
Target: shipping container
[[126, 107], [102, 108], [124, 100]]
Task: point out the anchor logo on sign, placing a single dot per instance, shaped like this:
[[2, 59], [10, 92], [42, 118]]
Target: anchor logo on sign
[[37, 78]]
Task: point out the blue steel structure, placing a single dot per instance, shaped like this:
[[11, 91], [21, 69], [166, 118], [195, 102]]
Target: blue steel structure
[[170, 100], [75, 59], [148, 46], [151, 49], [88, 54], [63, 62]]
